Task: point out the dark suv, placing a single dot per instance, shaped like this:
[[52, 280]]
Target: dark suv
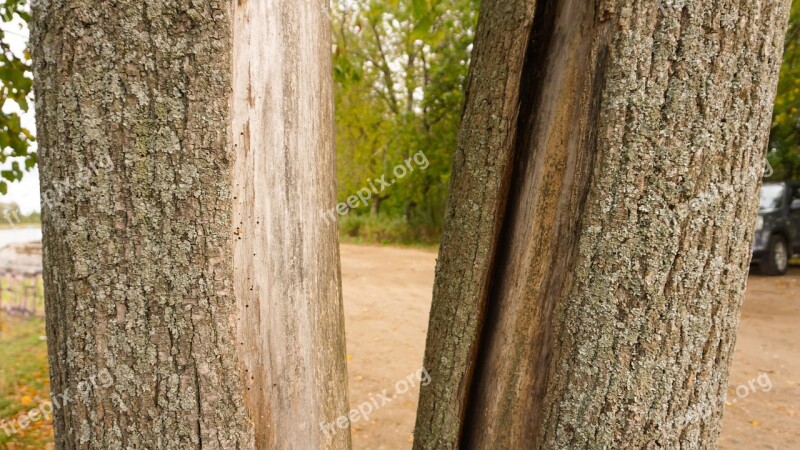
[[777, 228]]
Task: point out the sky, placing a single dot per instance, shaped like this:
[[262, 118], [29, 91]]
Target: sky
[[24, 193]]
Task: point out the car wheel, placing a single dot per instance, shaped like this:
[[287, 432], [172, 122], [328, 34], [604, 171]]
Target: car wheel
[[776, 261]]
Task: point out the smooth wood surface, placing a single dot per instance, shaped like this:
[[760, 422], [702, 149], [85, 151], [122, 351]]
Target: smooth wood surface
[[286, 257]]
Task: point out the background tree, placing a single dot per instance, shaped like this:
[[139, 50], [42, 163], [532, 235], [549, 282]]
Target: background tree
[[604, 190], [785, 138], [192, 266], [399, 68]]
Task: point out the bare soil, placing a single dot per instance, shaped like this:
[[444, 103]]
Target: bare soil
[[387, 294], [768, 346]]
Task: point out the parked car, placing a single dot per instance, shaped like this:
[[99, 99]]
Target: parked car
[[777, 236]]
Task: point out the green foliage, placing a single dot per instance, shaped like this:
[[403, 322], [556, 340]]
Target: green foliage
[[383, 229], [399, 67], [15, 75], [784, 152]]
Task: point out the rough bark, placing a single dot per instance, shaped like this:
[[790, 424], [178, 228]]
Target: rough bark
[[481, 168], [152, 256], [609, 302]]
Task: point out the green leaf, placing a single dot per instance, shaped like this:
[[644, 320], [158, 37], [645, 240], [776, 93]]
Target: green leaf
[[15, 86], [419, 8]]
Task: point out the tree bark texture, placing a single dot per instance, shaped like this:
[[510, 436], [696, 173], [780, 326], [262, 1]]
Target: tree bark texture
[[218, 319], [598, 309]]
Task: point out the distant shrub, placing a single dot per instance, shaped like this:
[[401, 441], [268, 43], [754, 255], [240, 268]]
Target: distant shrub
[[385, 230]]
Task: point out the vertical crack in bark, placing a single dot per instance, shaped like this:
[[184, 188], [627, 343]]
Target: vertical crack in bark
[[554, 151], [199, 423], [531, 85], [482, 169], [534, 339]]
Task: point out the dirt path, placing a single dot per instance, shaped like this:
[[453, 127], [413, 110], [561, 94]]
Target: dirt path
[[758, 416], [387, 299], [387, 295]]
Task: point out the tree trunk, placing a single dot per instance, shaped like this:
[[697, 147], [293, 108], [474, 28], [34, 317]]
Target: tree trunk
[[287, 279], [185, 266], [375, 206], [598, 232]]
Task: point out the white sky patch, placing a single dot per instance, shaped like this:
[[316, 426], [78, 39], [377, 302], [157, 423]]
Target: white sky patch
[[24, 193]]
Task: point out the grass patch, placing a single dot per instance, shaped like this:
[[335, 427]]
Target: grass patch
[[385, 230], [22, 293], [24, 380], [8, 226]]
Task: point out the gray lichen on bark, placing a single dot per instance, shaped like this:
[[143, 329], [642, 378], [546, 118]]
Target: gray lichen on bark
[[645, 333], [589, 297], [138, 263]]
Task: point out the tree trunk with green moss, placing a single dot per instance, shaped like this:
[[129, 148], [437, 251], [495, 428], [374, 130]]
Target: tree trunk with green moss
[[186, 150], [602, 205]]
